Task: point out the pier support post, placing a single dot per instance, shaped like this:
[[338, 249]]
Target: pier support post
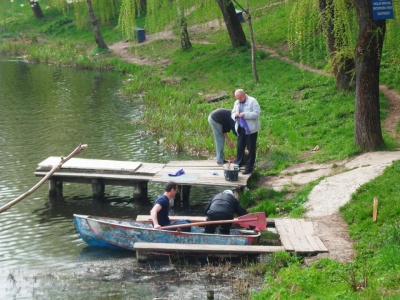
[[140, 189], [182, 199], [98, 188], [186, 195], [55, 188]]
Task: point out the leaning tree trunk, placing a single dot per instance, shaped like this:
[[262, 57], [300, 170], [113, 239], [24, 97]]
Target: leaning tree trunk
[[343, 67], [37, 11], [95, 24], [235, 30], [367, 124]]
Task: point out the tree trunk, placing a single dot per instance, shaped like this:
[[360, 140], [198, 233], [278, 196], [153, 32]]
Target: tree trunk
[[95, 24], [253, 44], [232, 23], [367, 124], [343, 67], [185, 41], [37, 11]]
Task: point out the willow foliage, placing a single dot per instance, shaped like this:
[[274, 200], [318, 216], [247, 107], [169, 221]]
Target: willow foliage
[[306, 25], [104, 10], [164, 13], [129, 9], [392, 37]]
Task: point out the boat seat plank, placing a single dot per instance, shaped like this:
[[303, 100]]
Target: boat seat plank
[[147, 218]]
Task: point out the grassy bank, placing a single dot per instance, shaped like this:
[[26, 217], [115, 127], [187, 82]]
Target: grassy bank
[[300, 110]]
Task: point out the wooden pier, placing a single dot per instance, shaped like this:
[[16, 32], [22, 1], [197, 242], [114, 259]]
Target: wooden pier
[[296, 236], [100, 173]]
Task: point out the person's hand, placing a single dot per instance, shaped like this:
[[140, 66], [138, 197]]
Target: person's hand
[[158, 226], [256, 230]]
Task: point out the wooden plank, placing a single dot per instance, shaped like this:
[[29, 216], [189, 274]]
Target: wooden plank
[[90, 164], [150, 168], [200, 176], [206, 248], [314, 240], [298, 238], [193, 164], [147, 218], [97, 176], [284, 235]]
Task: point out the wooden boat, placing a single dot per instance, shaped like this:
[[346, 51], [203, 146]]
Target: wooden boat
[[123, 234]]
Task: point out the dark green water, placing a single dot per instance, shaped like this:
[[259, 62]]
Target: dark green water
[[48, 111]]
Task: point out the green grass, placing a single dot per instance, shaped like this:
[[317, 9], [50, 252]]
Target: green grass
[[375, 273], [300, 110]]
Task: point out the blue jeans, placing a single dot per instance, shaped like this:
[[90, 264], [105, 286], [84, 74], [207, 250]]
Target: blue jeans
[[219, 139], [179, 222]]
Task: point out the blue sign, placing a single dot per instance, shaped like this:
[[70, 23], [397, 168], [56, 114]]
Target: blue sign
[[382, 10]]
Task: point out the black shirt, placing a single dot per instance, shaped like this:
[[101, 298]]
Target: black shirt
[[223, 117]]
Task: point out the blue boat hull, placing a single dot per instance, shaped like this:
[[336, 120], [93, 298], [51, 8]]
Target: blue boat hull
[[123, 234]]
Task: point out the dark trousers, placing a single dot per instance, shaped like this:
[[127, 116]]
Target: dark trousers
[[225, 227], [244, 141]]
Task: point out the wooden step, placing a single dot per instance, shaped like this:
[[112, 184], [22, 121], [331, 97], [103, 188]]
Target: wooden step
[[143, 250]]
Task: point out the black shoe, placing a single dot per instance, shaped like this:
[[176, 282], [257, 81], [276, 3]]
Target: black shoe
[[223, 162], [247, 172]]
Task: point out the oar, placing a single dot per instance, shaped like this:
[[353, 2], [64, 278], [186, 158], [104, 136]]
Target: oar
[[48, 175], [257, 220]]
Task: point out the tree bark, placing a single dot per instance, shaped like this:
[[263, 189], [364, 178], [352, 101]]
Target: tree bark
[[235, 30], [185, 41], [37, 10], [368, 51], [253, 44], [95, 24], [343, 67]]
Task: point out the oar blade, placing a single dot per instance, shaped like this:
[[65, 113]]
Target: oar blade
[[257, 220]]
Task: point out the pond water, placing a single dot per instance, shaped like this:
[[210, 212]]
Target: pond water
[[48, 111]]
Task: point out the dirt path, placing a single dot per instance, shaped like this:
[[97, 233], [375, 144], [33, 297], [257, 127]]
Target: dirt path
[[339, 183]]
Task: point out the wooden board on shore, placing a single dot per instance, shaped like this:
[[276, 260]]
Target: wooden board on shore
[[297, 235]]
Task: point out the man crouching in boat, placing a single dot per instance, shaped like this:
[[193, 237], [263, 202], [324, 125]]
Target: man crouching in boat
[[223, 207], [160, 211]]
